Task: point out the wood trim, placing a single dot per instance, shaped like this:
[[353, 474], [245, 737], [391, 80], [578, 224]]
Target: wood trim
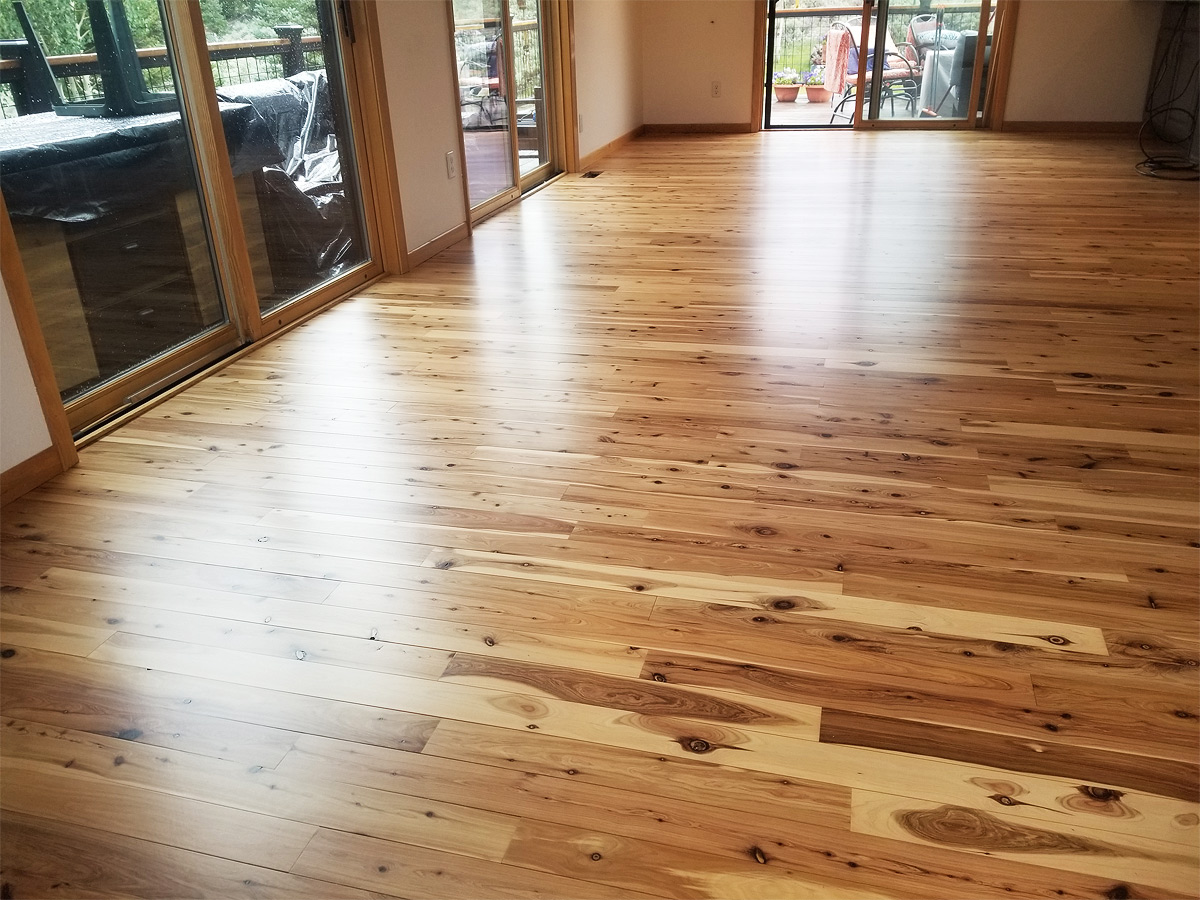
[[29, 329], [566, 86], [1007, 12], [698, 128], [462, 138], [493, 205], [25, 476], [198, 94], [321, 296], [860, 89], [510, 91], [1121, 128], [985, 9], [432, 248], [918, 124], [379, 151], [599, 153], [111, 397], [758, 86]]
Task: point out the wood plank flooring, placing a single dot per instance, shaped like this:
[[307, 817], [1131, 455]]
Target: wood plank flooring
[[772, 516]]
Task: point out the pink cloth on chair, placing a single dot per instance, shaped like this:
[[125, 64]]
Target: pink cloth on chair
[[837, 57]]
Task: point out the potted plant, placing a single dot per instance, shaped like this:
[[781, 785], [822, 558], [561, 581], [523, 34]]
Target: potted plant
[[814, 85], [787, 84]]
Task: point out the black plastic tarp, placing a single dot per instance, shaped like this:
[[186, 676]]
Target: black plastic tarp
[[302, 198], [74, 169]]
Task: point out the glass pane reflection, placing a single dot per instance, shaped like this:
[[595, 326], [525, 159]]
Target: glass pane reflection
[[483, 97], [100, 184], [301, 205]]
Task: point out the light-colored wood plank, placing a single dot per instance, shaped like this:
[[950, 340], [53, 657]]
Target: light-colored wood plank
[[667, 871], [51, 592], [408, 871], [255, 793], [54, 792], [230, 721]]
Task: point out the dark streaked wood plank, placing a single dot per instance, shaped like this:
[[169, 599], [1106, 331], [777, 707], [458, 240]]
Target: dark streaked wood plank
[[1101, 769], [44, 858]]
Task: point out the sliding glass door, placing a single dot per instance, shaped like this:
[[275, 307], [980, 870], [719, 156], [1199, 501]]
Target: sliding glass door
[[901, 62], [929, 63], [101, 182], [481, 44], [294, 168], [501, 56], [530, 92], [161, 227]]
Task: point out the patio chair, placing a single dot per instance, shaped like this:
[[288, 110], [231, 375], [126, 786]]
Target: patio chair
[[900, 77], [927, 32]]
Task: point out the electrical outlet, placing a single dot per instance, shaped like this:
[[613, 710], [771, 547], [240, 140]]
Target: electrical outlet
[[716, 89], [451, 164]]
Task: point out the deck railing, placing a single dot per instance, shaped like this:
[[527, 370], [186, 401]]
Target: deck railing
[[527, 52], [233, 62], [799, 33]]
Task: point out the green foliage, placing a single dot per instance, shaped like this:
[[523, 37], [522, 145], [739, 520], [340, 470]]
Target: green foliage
[[64, 28]]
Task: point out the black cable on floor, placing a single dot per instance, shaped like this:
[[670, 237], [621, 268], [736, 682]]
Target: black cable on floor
[[1176, 166]]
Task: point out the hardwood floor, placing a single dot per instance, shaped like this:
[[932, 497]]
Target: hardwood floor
[[772, 516]]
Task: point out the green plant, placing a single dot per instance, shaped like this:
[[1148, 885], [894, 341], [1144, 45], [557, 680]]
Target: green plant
[[786, 76], [815, 77]]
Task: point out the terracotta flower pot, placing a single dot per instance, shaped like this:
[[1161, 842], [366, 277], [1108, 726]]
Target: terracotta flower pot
[[786, 93], [817, 93]]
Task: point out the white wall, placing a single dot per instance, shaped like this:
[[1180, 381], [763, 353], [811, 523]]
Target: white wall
[[23, 431], [686, 46], [608, 70], [419, 67], [1082, 60]]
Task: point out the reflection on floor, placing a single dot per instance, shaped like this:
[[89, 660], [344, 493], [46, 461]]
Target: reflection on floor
[[488, 168], [489, 163]]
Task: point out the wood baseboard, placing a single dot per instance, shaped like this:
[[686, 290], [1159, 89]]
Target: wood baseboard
[[1122, 128], [700, 128], [589, 161], [24, 477], [432, 248]]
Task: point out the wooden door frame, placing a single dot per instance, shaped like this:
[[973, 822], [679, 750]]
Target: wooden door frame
[[33, 471], [563, 84], [758, 90]]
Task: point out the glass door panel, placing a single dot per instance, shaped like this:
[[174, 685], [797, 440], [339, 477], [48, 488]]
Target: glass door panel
[[796, 93], [292, 152], [922, 62], [103, 192], [483, 82], [533, 137]]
